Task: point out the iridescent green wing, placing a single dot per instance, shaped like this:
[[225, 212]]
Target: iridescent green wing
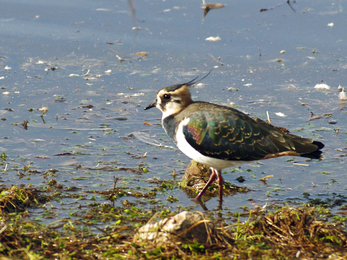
[[227, 134]]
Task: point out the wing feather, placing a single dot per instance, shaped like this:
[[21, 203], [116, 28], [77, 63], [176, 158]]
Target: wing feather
[[228, 134]]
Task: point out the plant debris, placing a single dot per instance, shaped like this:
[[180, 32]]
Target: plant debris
[[304, 232]]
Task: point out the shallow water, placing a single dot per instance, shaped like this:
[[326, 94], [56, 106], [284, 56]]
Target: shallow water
[[65, 56]]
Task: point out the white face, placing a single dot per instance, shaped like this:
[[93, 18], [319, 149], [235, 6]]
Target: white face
[[172, 102], [168, 103]]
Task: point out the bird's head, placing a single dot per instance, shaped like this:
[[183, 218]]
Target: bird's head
[[173, 99]]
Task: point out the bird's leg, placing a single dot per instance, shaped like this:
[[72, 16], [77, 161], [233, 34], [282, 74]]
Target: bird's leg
[[220, 182], [210, 180]]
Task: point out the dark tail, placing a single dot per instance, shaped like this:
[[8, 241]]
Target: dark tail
[[295, 145], [315, 154]]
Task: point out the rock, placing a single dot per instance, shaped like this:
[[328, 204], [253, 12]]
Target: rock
[[183, 227], [196, 176], [196, 169]]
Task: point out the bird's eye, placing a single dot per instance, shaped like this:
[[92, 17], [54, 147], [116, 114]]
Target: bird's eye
[[167, 96]]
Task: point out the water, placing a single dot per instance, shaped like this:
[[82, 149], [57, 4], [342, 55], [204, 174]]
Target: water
[[78, 60]]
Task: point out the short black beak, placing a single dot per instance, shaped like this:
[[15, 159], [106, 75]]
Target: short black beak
[[151, 105]]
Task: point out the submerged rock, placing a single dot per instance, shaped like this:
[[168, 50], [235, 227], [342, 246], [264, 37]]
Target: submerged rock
[[196, 176]]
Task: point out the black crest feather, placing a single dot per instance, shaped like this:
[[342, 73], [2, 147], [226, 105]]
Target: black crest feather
[[189, 83]]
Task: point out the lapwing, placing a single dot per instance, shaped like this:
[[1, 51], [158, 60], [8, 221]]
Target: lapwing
[[220, 136]]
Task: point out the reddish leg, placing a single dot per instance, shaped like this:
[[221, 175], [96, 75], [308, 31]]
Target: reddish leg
[[210, 180], [220, 181]]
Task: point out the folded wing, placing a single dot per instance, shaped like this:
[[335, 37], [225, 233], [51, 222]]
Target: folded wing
[[228, 134]]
